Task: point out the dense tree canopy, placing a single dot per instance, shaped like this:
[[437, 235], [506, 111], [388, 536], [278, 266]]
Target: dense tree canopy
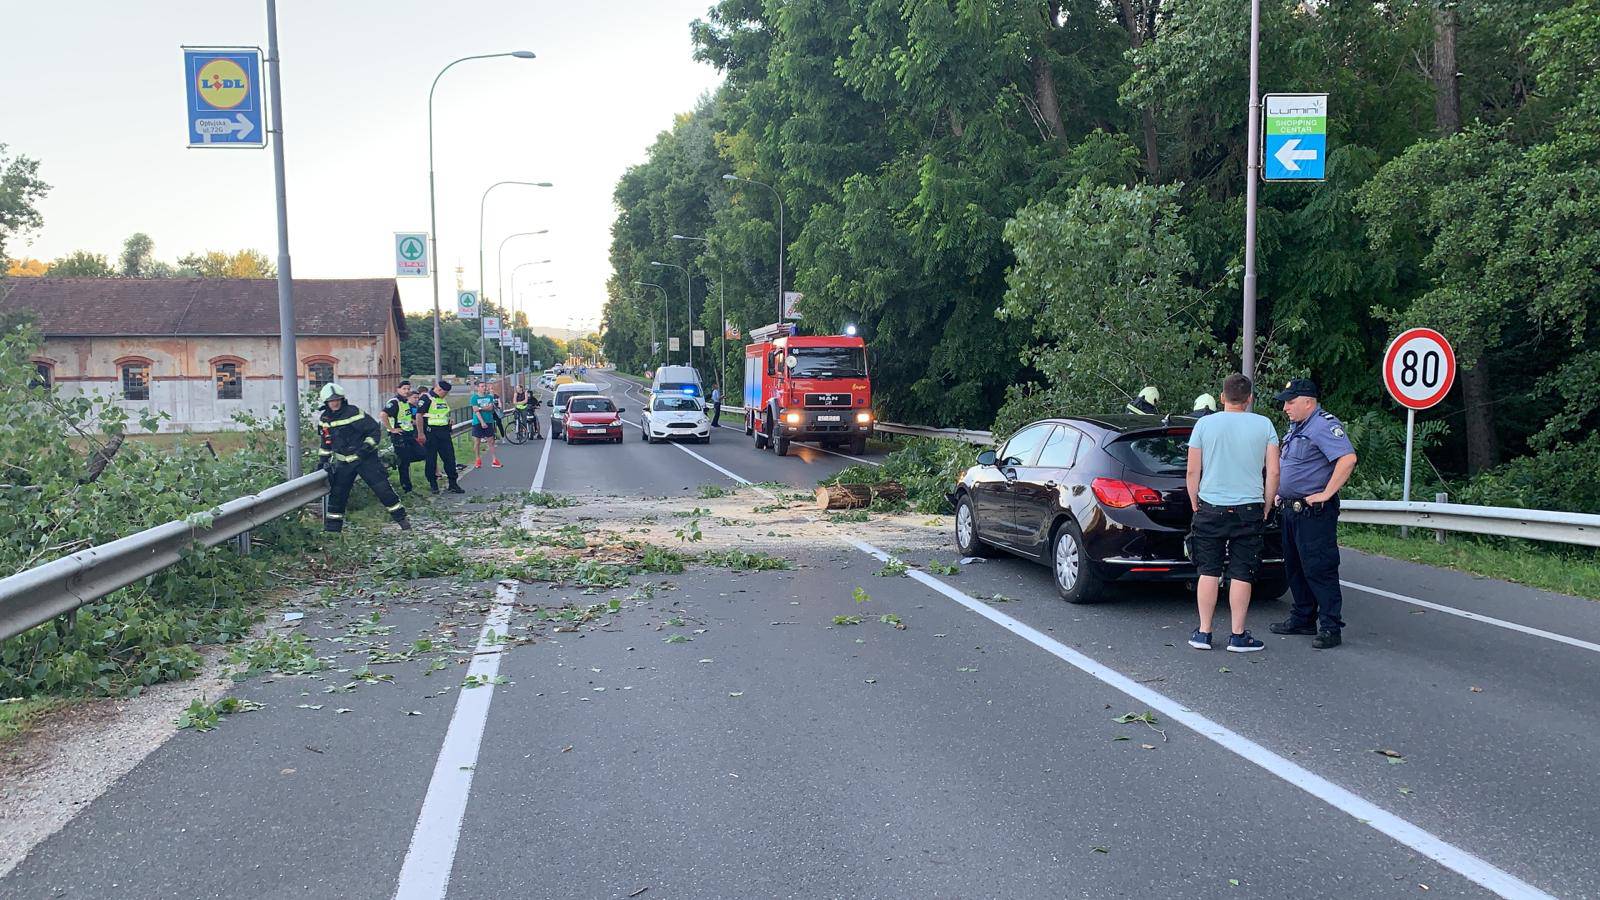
[[995, 191]]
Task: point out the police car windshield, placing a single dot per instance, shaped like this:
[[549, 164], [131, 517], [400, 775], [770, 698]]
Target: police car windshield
[[829, 362], [1162, 454], [676, 404], [591, 404]]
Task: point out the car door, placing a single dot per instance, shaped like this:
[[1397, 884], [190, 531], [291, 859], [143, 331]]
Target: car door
[[995, 498], [1035, 495]]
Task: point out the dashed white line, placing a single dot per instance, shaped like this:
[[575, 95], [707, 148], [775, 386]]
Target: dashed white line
[[425, 874], [1424, 842], [1477, 617]]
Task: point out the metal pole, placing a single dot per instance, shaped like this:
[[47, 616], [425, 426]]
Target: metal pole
[[1405, 484], [288, 356], [1252, 179], [780, 253], [688, 300]]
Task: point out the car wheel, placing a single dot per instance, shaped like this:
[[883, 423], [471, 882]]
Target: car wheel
[[1069, 565], [967, 542], [706, 439], [1268, 591]]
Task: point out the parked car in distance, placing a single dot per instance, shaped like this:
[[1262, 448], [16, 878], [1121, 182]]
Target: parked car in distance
[[670, 416], [558, 404], [1098, 499], [590, 417]]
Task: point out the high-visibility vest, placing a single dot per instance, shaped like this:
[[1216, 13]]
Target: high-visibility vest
[[402, 418], [438, 412]]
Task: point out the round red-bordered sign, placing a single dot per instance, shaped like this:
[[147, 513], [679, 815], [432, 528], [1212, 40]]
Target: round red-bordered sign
[[1419, 368]]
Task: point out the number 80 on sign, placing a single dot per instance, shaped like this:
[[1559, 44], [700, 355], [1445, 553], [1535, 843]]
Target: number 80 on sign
[[1419, 368]]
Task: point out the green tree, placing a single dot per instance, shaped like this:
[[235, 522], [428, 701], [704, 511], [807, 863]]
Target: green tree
[[21, 189], [137, 253], [219, 264], [82, 264]]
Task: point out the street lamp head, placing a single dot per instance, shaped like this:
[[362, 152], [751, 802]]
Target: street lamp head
[[522, 54], [543, 184], [680, 237], [653, 263], [731, 178]]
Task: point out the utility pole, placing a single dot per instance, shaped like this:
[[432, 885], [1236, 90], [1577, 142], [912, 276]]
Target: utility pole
[[288, 355], [1252, 182]]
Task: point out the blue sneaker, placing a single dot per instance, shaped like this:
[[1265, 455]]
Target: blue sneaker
[[1200, 640], [1244, 643]]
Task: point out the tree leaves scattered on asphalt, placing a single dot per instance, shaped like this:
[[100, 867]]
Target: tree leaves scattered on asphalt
[[1146, 718], [860, 596], [1394, 757], [676, 639]]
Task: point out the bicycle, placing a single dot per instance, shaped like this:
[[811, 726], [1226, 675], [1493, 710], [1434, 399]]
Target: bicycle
[[523, 427]]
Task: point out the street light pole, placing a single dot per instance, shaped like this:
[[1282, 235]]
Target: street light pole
[[288, 354], [482, 205], [1252, 180], [666, 311], [433, 209], [722, 302], [779, 198], [688, 299]]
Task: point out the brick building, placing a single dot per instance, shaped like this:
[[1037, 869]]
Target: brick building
[[201, 350]]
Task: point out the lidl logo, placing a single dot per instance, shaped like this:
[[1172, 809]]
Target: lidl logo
[[223, 84]]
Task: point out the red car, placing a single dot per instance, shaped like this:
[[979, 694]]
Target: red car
[[592, 418]]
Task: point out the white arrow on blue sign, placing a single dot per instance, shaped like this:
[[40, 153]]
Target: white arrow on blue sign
[[225, 97], [1295, 137]]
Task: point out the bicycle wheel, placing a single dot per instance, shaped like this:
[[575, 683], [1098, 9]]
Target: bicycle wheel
[[517, 434]]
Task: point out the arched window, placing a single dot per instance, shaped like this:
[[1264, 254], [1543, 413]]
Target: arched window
[[135, 378], [229, 376], [318, 373]]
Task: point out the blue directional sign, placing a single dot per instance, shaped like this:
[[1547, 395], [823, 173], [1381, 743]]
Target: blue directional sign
[[1295, 146], [226, 97]]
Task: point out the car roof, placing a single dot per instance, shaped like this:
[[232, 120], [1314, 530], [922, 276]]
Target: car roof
[[1123, 423], [573, 387]]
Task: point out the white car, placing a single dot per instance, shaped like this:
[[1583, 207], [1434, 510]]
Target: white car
[[669, 416]]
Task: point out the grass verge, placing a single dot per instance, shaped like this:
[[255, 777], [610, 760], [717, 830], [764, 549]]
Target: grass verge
[[16, 716], [1565, 570]]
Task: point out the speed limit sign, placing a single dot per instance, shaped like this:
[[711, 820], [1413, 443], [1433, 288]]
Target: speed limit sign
[[1419, 368]]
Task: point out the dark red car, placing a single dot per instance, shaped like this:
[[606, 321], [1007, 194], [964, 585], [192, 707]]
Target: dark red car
[[592, 418]]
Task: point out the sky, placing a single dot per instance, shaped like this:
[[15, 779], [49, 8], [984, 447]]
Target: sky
[[94, 90]]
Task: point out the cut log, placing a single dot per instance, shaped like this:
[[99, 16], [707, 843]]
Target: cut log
[[858, 496]]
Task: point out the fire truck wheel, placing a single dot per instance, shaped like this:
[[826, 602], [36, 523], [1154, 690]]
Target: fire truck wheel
[[749, 423], [780, 445], [761, 439], [858, 444]]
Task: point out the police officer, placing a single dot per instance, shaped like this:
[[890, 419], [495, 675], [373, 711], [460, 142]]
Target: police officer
[[402, 427], [441, 444], [1316, 461], [350, 448], [1145, 403]]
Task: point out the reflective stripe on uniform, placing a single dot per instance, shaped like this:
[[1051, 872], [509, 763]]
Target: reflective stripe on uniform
[[347, 457], [353, 419], [334, 515], [395, 508]]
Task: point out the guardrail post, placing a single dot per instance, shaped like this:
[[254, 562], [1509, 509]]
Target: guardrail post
[[241, 542], [1441, 497]]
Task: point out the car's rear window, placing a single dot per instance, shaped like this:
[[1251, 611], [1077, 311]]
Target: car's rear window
[[1153, 454], [590, 404]]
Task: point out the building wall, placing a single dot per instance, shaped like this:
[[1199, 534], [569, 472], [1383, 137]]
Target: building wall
[[182, 372]]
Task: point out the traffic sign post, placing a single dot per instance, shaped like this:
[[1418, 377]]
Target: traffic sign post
[[467, 305], [225, 98], [1295, 143], [411, 254], [697, 337], [1419, 368], [491, 327]]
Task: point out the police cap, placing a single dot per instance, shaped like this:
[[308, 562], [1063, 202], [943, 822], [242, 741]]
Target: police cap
[[1300, 387]]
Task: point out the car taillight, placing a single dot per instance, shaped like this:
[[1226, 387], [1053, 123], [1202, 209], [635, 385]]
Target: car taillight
[[1123, 494]]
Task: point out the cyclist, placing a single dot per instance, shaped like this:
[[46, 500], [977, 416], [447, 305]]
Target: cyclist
[[522, 405]]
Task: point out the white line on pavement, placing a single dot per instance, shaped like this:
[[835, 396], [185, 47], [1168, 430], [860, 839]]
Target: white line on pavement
[[425, 875], [739, 478], [1476, 617], [1435, 848], [544, 464]]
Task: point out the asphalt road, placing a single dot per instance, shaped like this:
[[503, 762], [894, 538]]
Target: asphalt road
[[973, 754]]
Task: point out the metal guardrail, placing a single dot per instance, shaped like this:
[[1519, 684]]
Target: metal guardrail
[[971, 436], [1581, 529], [37, 595]]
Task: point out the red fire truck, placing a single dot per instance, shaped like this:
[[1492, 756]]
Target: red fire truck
[[806, 388]]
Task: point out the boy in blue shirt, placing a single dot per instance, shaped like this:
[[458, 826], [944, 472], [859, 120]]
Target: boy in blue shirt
[[1228, 453]]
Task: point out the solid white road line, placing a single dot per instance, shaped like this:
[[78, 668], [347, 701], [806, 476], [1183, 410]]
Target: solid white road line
[[1435, 848], [1476, 617], [736, 477], [425, 875], [544, 464]]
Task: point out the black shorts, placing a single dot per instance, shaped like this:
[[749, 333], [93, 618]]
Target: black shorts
[[1227, 535]]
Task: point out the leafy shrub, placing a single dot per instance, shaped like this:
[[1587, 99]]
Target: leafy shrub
[[926, 467]]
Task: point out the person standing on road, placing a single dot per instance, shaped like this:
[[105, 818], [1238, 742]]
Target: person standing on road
[[716, 404], [402, 427], [483, 417], [1317, 461], [1228, 452], [441, 444], [350, 449]]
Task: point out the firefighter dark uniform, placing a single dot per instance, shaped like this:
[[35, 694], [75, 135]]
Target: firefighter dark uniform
[[406, 448], [1307, 458], [350, 448], [441, 445]]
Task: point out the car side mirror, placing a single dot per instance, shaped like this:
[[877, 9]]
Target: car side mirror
[[621, 410], [986, 458]]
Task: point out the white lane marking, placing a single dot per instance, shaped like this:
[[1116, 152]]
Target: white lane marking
[[1477, 617], [425, 875], [544, 464], [736, 477], [740, 429], [1435, 848]]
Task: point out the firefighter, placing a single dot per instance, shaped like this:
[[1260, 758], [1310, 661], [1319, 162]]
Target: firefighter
[[1204, 405], [1145, 403], [441, 444], [350, 448]]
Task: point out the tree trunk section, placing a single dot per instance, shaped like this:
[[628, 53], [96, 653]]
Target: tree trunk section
[[101, 458], [858, 496], [1044, 93], [1140, 27], [1446, 86]]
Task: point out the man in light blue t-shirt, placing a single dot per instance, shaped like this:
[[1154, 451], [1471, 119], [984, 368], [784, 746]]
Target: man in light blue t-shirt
[[1233, 469]]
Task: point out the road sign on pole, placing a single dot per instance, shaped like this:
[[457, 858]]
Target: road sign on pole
[[491, 327], [1418, 369], [467, 305], [791, 304], [411, 254], [1295, 143], [697, 337], [225, 97], [672, 343]]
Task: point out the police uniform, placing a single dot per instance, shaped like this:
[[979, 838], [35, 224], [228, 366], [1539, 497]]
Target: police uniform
[[441, 445], [406, 449], [350, 449], [1310, 533]]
